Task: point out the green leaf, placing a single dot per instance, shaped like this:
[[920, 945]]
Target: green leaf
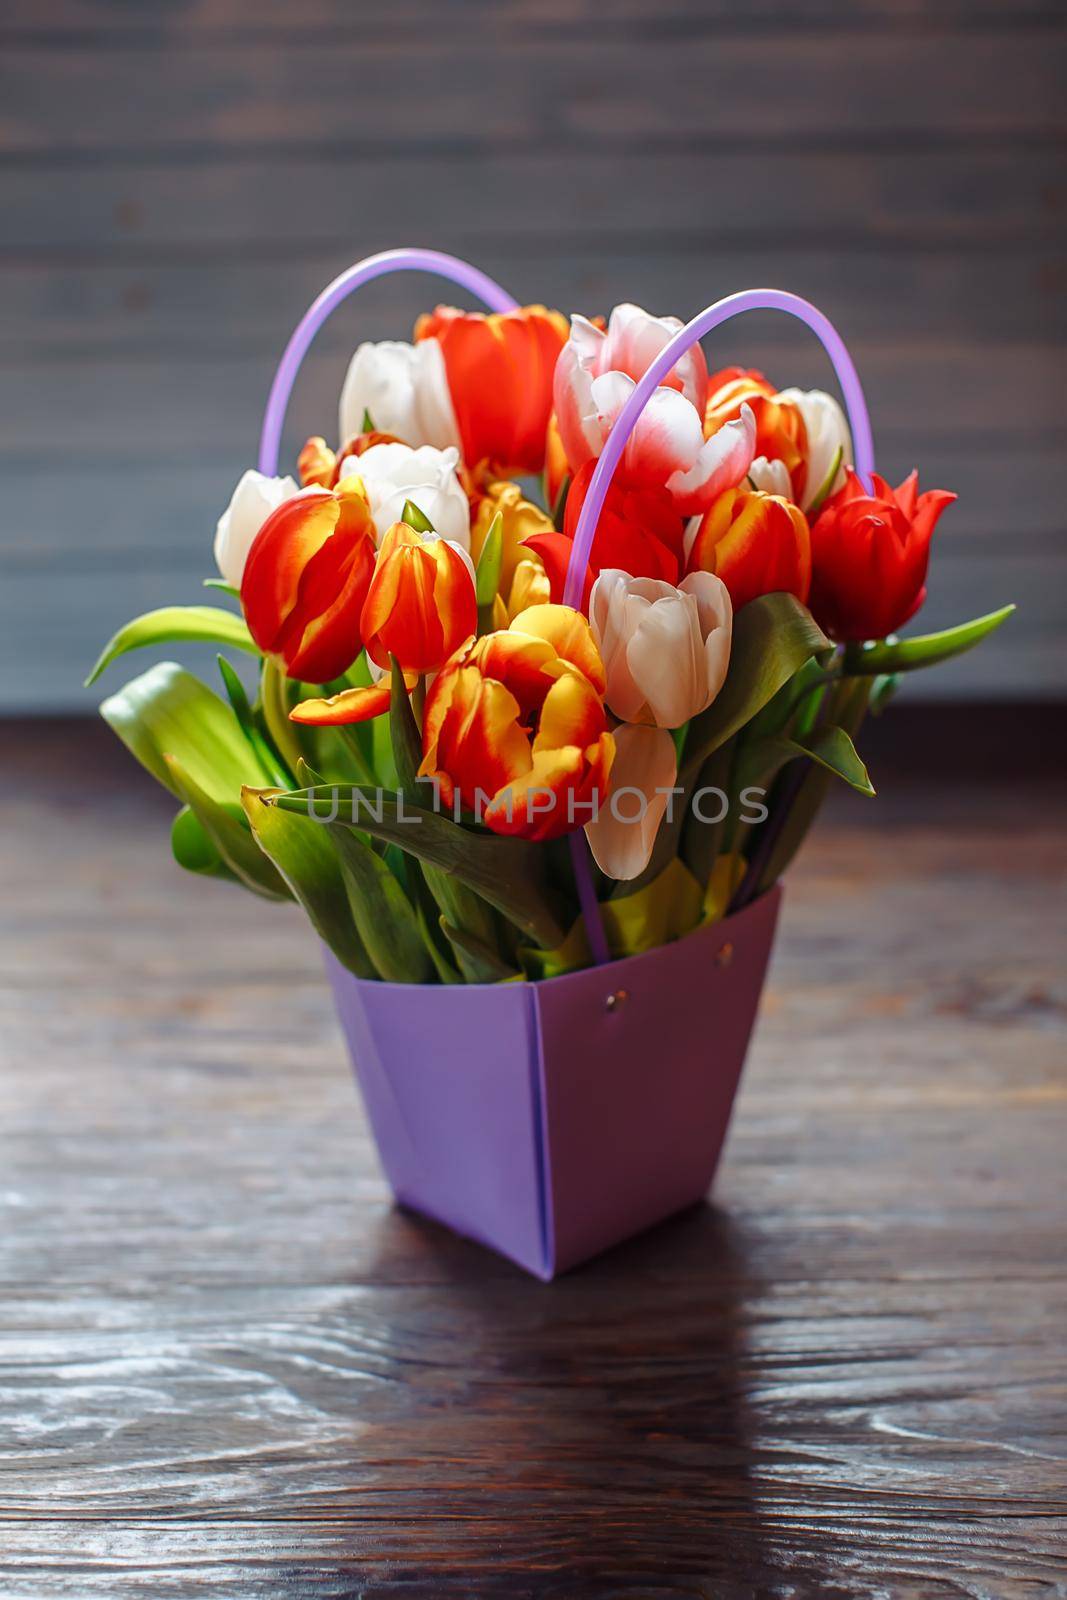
[[490, 562], [415, 518], [848, 706], [761, 761], [481, 962], [823, 491], [367, 425], [174, 623], [223, 586], [274, 708], [227, 828], [404, 732], [309, 864], [193, 850], [166, 711], [509, 873], [235, 694], [773, 637], [922, 650], [384, 916]]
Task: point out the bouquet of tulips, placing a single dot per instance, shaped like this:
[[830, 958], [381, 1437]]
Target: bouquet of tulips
[[458, 739]]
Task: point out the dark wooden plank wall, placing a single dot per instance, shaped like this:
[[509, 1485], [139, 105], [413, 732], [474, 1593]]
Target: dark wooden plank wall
[[178, 180]]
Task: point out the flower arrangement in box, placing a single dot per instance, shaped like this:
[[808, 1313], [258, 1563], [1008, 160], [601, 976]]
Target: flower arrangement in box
[[558, 646]]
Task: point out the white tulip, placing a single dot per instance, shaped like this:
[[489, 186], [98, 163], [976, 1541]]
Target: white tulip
[[771, 476], [404, 388], [393, 473], [665, 649], [827, 431], [643, 775], [251, 503]]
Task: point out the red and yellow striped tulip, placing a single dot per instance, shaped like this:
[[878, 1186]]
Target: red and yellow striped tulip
[[420, 608], [499, 367], [780, 431], [421, 603], [515, 726], [306, 579], [756, 543]]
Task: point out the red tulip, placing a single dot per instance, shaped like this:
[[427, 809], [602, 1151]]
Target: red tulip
[[499, 368], [639, 531], [306, 579], [756, 543], [870, 554]]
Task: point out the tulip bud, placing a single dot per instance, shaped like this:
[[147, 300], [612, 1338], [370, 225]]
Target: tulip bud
[[306, 579], [665, 649], [421, 604], [403, 390], [756, 543], [870, 554]]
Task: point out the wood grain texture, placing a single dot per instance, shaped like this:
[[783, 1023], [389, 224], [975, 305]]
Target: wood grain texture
[[178, 181], [228, 1367]]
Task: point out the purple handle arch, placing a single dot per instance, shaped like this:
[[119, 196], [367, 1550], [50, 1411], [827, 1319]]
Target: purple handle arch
[[407, 259], [411, 259]]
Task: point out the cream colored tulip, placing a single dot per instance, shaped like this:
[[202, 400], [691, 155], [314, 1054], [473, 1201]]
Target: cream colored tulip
[[251, 503], [404, 389], [665, 649], [643, 774]]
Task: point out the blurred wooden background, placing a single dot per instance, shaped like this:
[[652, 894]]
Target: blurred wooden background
[[179, 178]]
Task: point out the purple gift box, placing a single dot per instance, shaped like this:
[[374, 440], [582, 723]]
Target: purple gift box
[[552, 1120]]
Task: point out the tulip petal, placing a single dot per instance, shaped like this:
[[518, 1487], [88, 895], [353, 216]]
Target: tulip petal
[[721, 463], [569, 634], [351, 705], [624, 833], [667, 437]]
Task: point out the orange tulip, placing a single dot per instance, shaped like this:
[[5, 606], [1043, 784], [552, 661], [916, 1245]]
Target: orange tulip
[[421, 604], [306, 579], [515, 726], [756, 543], [499, 367], [780, 431], [420, 607]]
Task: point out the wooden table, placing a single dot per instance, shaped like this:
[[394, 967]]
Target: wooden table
[[229, 1368]]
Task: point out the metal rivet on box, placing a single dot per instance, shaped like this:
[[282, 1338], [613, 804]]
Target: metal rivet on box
[[725, 955], [614, 1001]]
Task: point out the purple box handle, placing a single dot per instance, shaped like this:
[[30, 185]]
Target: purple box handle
[[412, 259]]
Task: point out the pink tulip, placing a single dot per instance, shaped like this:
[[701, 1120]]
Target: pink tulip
[[595, 375]]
